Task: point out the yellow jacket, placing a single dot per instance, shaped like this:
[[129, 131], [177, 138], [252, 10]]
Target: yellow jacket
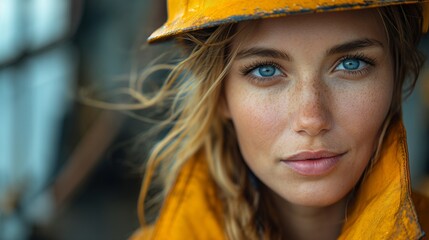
[[385, 207]]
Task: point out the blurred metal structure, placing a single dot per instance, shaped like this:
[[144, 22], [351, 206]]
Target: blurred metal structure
[[37, 75], [44, 59]]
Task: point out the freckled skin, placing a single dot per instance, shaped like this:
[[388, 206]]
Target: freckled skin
[[313, 106]]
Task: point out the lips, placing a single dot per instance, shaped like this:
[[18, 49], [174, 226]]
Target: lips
[[313, 163]]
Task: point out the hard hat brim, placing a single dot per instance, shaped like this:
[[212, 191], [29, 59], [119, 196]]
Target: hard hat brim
[[197, 17]]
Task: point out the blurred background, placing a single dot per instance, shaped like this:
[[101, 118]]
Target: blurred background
[[66, 171]]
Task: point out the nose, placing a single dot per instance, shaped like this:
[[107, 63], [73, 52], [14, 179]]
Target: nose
[[312, 112]]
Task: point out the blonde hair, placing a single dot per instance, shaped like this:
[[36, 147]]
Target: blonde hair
[[194, 90]]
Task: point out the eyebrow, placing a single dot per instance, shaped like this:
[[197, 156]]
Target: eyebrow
[[340, 48], [354, 45], [262, 52]]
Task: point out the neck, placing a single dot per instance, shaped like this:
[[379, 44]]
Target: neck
[[303, 222]]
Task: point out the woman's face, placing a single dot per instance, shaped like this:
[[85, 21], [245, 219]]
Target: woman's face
[[307, 95]]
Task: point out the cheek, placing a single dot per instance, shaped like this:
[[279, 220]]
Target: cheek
[[362, 114], [256, 120], [364, 109]]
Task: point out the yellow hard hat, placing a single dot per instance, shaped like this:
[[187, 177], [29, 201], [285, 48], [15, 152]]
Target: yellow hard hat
[[190, 15]]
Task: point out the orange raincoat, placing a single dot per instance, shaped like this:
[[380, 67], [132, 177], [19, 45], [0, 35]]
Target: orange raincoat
[[385, 207]]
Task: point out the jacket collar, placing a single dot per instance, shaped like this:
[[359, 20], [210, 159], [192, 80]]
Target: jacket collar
[[383, 207]]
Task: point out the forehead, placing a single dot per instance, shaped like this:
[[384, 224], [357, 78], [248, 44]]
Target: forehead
[[308, 29]]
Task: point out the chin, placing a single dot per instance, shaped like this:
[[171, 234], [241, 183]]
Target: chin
[[318, 199], [315, 202]]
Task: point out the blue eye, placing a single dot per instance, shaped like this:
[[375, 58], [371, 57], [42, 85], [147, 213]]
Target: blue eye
[[351, 64], [266, 71]]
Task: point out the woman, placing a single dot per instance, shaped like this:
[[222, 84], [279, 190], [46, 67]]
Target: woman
[[286, 125]]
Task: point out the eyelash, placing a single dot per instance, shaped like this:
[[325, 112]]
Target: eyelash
[[361, 57], [247, 69]]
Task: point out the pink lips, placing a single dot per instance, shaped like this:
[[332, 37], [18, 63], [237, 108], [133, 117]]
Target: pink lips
[[313, 163]]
